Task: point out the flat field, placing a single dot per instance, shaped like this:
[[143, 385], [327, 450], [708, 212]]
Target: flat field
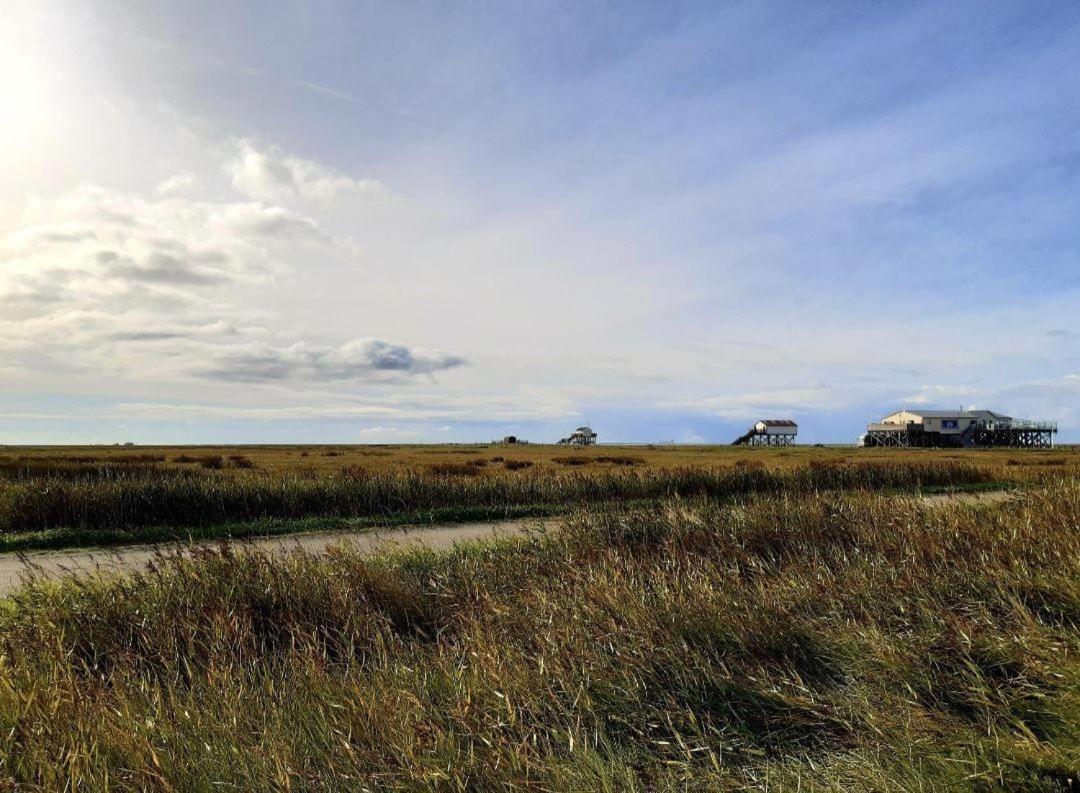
[[700, 619], [331, 459], [53, 497]]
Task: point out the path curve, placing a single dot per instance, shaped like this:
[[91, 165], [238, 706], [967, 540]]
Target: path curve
[[55, 564], [58, 563]]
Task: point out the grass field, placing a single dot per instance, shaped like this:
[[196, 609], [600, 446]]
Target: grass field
[[331, 459], [51, 497], [704, 619], [812, 641]]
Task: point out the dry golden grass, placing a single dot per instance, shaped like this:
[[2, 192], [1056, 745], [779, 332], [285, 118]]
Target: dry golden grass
[[58, 496], [709, 619], [319, 459], [804, 642]]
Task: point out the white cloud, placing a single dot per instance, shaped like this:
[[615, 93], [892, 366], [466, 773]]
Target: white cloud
[[105, 281], [933, 395], [385, 407], [770, 403], [100, 254], [269, 174], [388, 433], [180, 183]]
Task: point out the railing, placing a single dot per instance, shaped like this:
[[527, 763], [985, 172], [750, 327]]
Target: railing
[[1019, 424], [1047, 426]]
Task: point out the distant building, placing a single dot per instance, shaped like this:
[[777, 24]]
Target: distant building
[[769, 432], [582, 436], [958, 428]]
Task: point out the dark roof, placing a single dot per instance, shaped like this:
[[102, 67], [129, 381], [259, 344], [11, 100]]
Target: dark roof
[[946, 414], [935, 414], [986, 415], [777, 422]]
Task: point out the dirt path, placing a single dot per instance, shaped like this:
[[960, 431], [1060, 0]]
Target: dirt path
[[980, 497], [134, 557]]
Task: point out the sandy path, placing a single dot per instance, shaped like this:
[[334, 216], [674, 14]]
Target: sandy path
[[134, 557], [979, 497]]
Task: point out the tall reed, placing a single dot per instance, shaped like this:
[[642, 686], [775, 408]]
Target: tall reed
[[118, 499], [822, 641]]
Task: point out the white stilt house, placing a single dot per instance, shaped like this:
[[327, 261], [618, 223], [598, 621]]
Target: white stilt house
[[769, 432], [967, 429], [582, 436]]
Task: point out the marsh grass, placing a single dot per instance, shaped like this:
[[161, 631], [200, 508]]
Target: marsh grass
[[31, 469], [573, 459], [467, 468], [619, 459], [813, 640], [130, 497]]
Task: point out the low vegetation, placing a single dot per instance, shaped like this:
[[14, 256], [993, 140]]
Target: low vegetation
[[806, 641], [91, 503], [572, 459], [467, 468]]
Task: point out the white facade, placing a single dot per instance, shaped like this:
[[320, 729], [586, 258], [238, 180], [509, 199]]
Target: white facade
[[774, 427], [946, 422]]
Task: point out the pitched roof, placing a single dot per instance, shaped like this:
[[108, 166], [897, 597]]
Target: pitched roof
[[989, 414], [984, 415], [935, 414]]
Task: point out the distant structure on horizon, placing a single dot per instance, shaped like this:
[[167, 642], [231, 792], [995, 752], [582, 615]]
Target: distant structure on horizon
[[582, 436], [769, 432], [967, 429]]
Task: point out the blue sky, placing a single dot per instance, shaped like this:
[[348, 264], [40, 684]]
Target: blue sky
[[360, 222]]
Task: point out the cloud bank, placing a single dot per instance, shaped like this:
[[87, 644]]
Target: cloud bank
[[162, 285], [269, 174], [359, 359]]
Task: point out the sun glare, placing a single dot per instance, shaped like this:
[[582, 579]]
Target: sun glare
[[32, 77]]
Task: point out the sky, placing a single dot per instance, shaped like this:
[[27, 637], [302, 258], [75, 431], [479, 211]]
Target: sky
[[359, 222]]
